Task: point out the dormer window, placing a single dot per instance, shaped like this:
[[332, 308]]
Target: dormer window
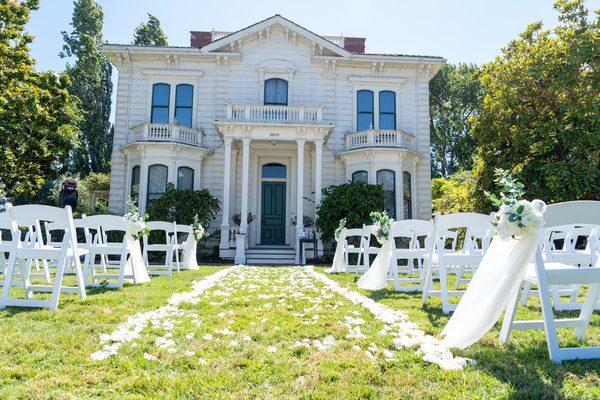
[[276, 92]]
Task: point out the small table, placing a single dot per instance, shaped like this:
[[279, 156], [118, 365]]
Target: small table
[[307, 240]]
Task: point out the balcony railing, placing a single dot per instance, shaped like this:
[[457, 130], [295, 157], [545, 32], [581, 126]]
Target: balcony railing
[[275, 114], [166, 133], [380, 138]]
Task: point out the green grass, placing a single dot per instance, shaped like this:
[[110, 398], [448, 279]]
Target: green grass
[[47, 354]]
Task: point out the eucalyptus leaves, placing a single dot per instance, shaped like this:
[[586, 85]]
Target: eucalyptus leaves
[[340, 228], [382, 226], [197, 228], [136, 223]]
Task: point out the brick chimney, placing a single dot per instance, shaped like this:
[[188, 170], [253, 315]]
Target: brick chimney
[[199, 38], [355, 44]]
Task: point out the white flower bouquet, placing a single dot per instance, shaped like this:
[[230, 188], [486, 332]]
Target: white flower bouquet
[[197, 228], [339, 229], [515, 216], [382, 226], [136, 223]]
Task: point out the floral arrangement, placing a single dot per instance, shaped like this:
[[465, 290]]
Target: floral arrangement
[[382, 226], [307, 221], [237, 218], [136, 223], [340, 228], [197, 229], [515, 215]]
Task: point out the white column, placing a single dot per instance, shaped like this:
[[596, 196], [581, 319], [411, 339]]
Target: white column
[[225, 203], [245, 173], [318, 169], [143, 180], [300, 196], [372, 179], [198, 174], [399, 189], [415, 197]]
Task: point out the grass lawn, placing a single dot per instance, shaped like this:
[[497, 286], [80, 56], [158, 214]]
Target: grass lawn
[[273, 333]]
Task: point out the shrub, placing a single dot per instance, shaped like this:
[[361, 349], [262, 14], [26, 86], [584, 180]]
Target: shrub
[[453, 194], [353, 201], [182, 205], [96, 181]]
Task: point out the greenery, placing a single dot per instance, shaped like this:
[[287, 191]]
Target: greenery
[[540, 116], [455, 97], [150, 33], [182, 205], [38, 116], [353, 201], [453, 194], [91, 83], [237, 218], [96, 181]]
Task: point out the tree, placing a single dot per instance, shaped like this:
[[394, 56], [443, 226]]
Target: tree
[[453, 194], [150, 33], [38, 116], [540, 116], [91, 83], [182, 205], [455, 94]]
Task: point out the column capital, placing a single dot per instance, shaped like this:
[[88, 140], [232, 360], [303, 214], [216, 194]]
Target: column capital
[[300, 141], [227, 140], [246, 141], [319, 141]]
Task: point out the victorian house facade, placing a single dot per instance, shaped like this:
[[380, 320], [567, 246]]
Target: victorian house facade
[[266, 117]]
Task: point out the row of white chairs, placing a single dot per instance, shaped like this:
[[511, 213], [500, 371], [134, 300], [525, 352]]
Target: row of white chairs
[[33, 252]]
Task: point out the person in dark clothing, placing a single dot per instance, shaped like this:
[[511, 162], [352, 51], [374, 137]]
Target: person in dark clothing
[[68, 194]]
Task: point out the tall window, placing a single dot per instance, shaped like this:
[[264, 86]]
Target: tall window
[[134, 191], [161, 93], [387, 110], [387, 179], [276, 92], [407, 195], [157, 182], [184, 94], [364, 109], [360, 176], [185, 178]]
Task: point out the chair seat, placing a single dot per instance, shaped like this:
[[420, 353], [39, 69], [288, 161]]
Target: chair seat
[[109, 248], [159, 247], [531, 273], [408, 253]]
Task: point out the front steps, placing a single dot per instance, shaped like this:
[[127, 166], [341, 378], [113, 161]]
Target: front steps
[[271, 255]]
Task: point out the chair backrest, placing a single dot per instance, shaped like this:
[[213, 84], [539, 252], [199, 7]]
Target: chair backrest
[[30, 216], [463, 220], [354, 232], [572, 213], [106, 222], [417, 226], [169, 227], [183, 228]]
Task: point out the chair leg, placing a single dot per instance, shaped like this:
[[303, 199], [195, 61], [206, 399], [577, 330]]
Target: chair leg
[[587, 309], [79, 276], [60, 270], [549, 323], [459, 274], [509, 315], [8, 278], [25, 272], [526, 292], [444, 289], [427, 280]]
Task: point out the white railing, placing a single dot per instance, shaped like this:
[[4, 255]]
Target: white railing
[[380, 138], [216, 35], [338, 40], [167, 133], [291, 114]]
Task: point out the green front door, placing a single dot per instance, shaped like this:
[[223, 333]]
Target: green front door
[[273, 213]]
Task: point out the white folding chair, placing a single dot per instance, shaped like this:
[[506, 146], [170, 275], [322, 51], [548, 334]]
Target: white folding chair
[[411, 230], [169, 247], [452, 260], [180, 240], [544, 274], [4, 244], [361, 236], [23, 252]]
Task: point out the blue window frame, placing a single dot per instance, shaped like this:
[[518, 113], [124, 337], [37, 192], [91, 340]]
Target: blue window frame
[[161, 96], [387, 110], [407, 195], [360, 176], [276, 92], [364, 110], [274, 170], [387, 179], [184, 95], [185, 178]]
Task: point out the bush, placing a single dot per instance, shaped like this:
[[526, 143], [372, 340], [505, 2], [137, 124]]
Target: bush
[[96, 181], [182, 205], [453, 194], [353, 201]]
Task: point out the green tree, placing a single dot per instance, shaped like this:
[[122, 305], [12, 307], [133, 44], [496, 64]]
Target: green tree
[[150, 33], [453, 194], [38, 116], [455, 96], [541, 111], [91, 83]]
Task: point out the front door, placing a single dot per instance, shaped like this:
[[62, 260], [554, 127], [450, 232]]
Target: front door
[[273, 213]]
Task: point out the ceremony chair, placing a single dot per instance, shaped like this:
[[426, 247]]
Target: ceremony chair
[[169, 248], [362, 236]]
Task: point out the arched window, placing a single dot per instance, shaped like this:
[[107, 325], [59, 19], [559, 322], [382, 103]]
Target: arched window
[[185, 178], [276, 92], [184, 94], [157, 182], [387, 110], [407, 195], [274, 170], [134, 190], [360, 176], [161, 94], [364, 110], [387, 179]]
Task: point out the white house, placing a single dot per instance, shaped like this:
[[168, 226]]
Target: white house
[[265, 118]]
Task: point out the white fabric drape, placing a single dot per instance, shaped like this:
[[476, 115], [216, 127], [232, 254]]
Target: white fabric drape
[[189, 253], [135, 267], [338, 258], [376, 277], [496, 281]]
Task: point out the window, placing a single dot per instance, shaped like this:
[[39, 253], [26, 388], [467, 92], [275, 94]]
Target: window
[[161, 93], [387, 110], [360, 176], [276, 92], [183, 104], [274, 171], [387, 179], [364, 110], [157, 182], [134, 191], [407, 195], [185, 178]]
